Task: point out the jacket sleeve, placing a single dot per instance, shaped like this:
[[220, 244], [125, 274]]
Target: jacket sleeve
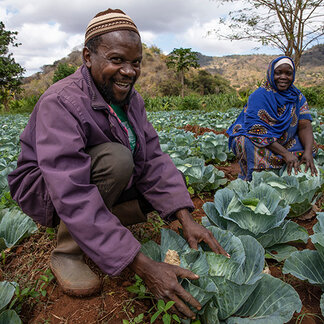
[[161, 183], [60, 142]]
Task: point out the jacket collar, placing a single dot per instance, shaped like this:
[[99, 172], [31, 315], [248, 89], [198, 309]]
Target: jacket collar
[[97, 101]]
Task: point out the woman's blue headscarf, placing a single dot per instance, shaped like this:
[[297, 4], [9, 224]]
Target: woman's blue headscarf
[[269, 112]]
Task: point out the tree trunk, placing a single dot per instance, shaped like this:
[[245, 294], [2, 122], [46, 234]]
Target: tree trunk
[[182, 83]]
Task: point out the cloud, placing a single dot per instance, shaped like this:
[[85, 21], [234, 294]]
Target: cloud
[[49, 30], [198, 38], [43, 44]]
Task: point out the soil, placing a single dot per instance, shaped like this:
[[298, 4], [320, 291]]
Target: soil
[[26, 262]]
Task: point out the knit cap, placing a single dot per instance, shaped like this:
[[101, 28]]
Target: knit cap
[[108, 21]]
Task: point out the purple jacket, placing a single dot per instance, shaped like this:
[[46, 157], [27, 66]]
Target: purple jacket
[[53, 169]]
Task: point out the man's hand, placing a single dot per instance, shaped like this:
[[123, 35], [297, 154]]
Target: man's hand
[[162, 280], [195, 233], [307, 158]]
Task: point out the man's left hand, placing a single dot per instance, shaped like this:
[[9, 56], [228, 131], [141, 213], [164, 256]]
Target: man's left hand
[[195, 233]]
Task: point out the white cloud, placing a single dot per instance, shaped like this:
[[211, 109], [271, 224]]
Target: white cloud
[[148, 38], [49, 30], [207, 43]]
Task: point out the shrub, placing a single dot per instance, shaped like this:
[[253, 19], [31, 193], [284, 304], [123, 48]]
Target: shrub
[[62, 71]]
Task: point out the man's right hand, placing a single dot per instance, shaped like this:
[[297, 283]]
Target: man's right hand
[[162, 280]]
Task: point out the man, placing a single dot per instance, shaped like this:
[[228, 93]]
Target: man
[[91, 162]]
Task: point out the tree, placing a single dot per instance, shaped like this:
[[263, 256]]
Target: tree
[[10, 71], [62, 71], [181, 59], [205, 83], [289, 25]]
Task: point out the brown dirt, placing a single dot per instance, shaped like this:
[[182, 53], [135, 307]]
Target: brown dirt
[[198, 130]]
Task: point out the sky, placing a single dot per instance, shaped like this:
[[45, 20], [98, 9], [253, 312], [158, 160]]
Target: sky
[[49, 30]]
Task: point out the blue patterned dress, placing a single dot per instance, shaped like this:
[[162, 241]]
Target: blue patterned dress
[[270, 115]]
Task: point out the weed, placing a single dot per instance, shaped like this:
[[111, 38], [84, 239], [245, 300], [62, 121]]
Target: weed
[[163, 307], [35, 291], [139, 288], [3, 257], [302, 316], [51, 233], [137, 319], [157, 223]]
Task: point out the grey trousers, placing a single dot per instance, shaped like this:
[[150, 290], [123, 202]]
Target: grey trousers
[[111, 168]]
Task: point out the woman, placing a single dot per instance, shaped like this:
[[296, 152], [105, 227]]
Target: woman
[[274, 128]]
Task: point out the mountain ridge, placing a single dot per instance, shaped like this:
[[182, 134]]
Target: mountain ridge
[[242, 71]]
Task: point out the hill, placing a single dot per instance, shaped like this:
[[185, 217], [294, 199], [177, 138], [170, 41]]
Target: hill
[[245, 71], [242, 71]]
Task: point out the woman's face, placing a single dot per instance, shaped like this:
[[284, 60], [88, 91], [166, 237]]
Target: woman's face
[[283, 76]]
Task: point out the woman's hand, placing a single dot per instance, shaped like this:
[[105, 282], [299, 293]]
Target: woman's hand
[[195, 233], [308, 159], [292, 162], [162, 281]]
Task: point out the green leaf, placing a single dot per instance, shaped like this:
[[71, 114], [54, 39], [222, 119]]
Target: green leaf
[[230, 296], [160, 304], [169, 304], [202, 289], [306, 265], [14, 226], [322, 304], [152, 250], [280, 252], [9, 317], [251, 203], [170, 240], [155, 316], [7, 291], [288, 231], [166, 318], [273, 301]]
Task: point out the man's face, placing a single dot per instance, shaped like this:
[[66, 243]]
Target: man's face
[[117, 64], [283, 76]]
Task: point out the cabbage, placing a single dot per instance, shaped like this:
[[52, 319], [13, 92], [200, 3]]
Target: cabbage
[[231, 290], [199, 176], [299, 191], [309, 264], [258, 210]]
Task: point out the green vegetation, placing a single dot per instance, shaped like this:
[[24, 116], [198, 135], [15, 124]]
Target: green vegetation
[[230, 290], [307, 264], [10, 71], [233, 290], [63, 70], [182, 59]]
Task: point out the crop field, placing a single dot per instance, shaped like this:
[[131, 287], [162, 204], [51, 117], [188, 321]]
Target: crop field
[[273, 228]]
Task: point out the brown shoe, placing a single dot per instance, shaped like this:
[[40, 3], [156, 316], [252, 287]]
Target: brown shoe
[[68, 266]]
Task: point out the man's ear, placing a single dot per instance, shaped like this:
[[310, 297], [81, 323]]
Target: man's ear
[[87, 56]]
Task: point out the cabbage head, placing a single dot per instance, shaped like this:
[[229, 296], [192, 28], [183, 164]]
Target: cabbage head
[[230, 290], [256, 210], [299, 191]]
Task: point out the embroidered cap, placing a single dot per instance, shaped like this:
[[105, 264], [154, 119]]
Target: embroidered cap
[[108, 21]]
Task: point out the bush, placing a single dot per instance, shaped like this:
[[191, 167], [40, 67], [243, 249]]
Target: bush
[[62, 71], [24, 105], [205, 83], [221, 102], [314, 96]]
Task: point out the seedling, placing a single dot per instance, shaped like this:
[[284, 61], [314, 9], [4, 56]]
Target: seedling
[[163, 307]]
